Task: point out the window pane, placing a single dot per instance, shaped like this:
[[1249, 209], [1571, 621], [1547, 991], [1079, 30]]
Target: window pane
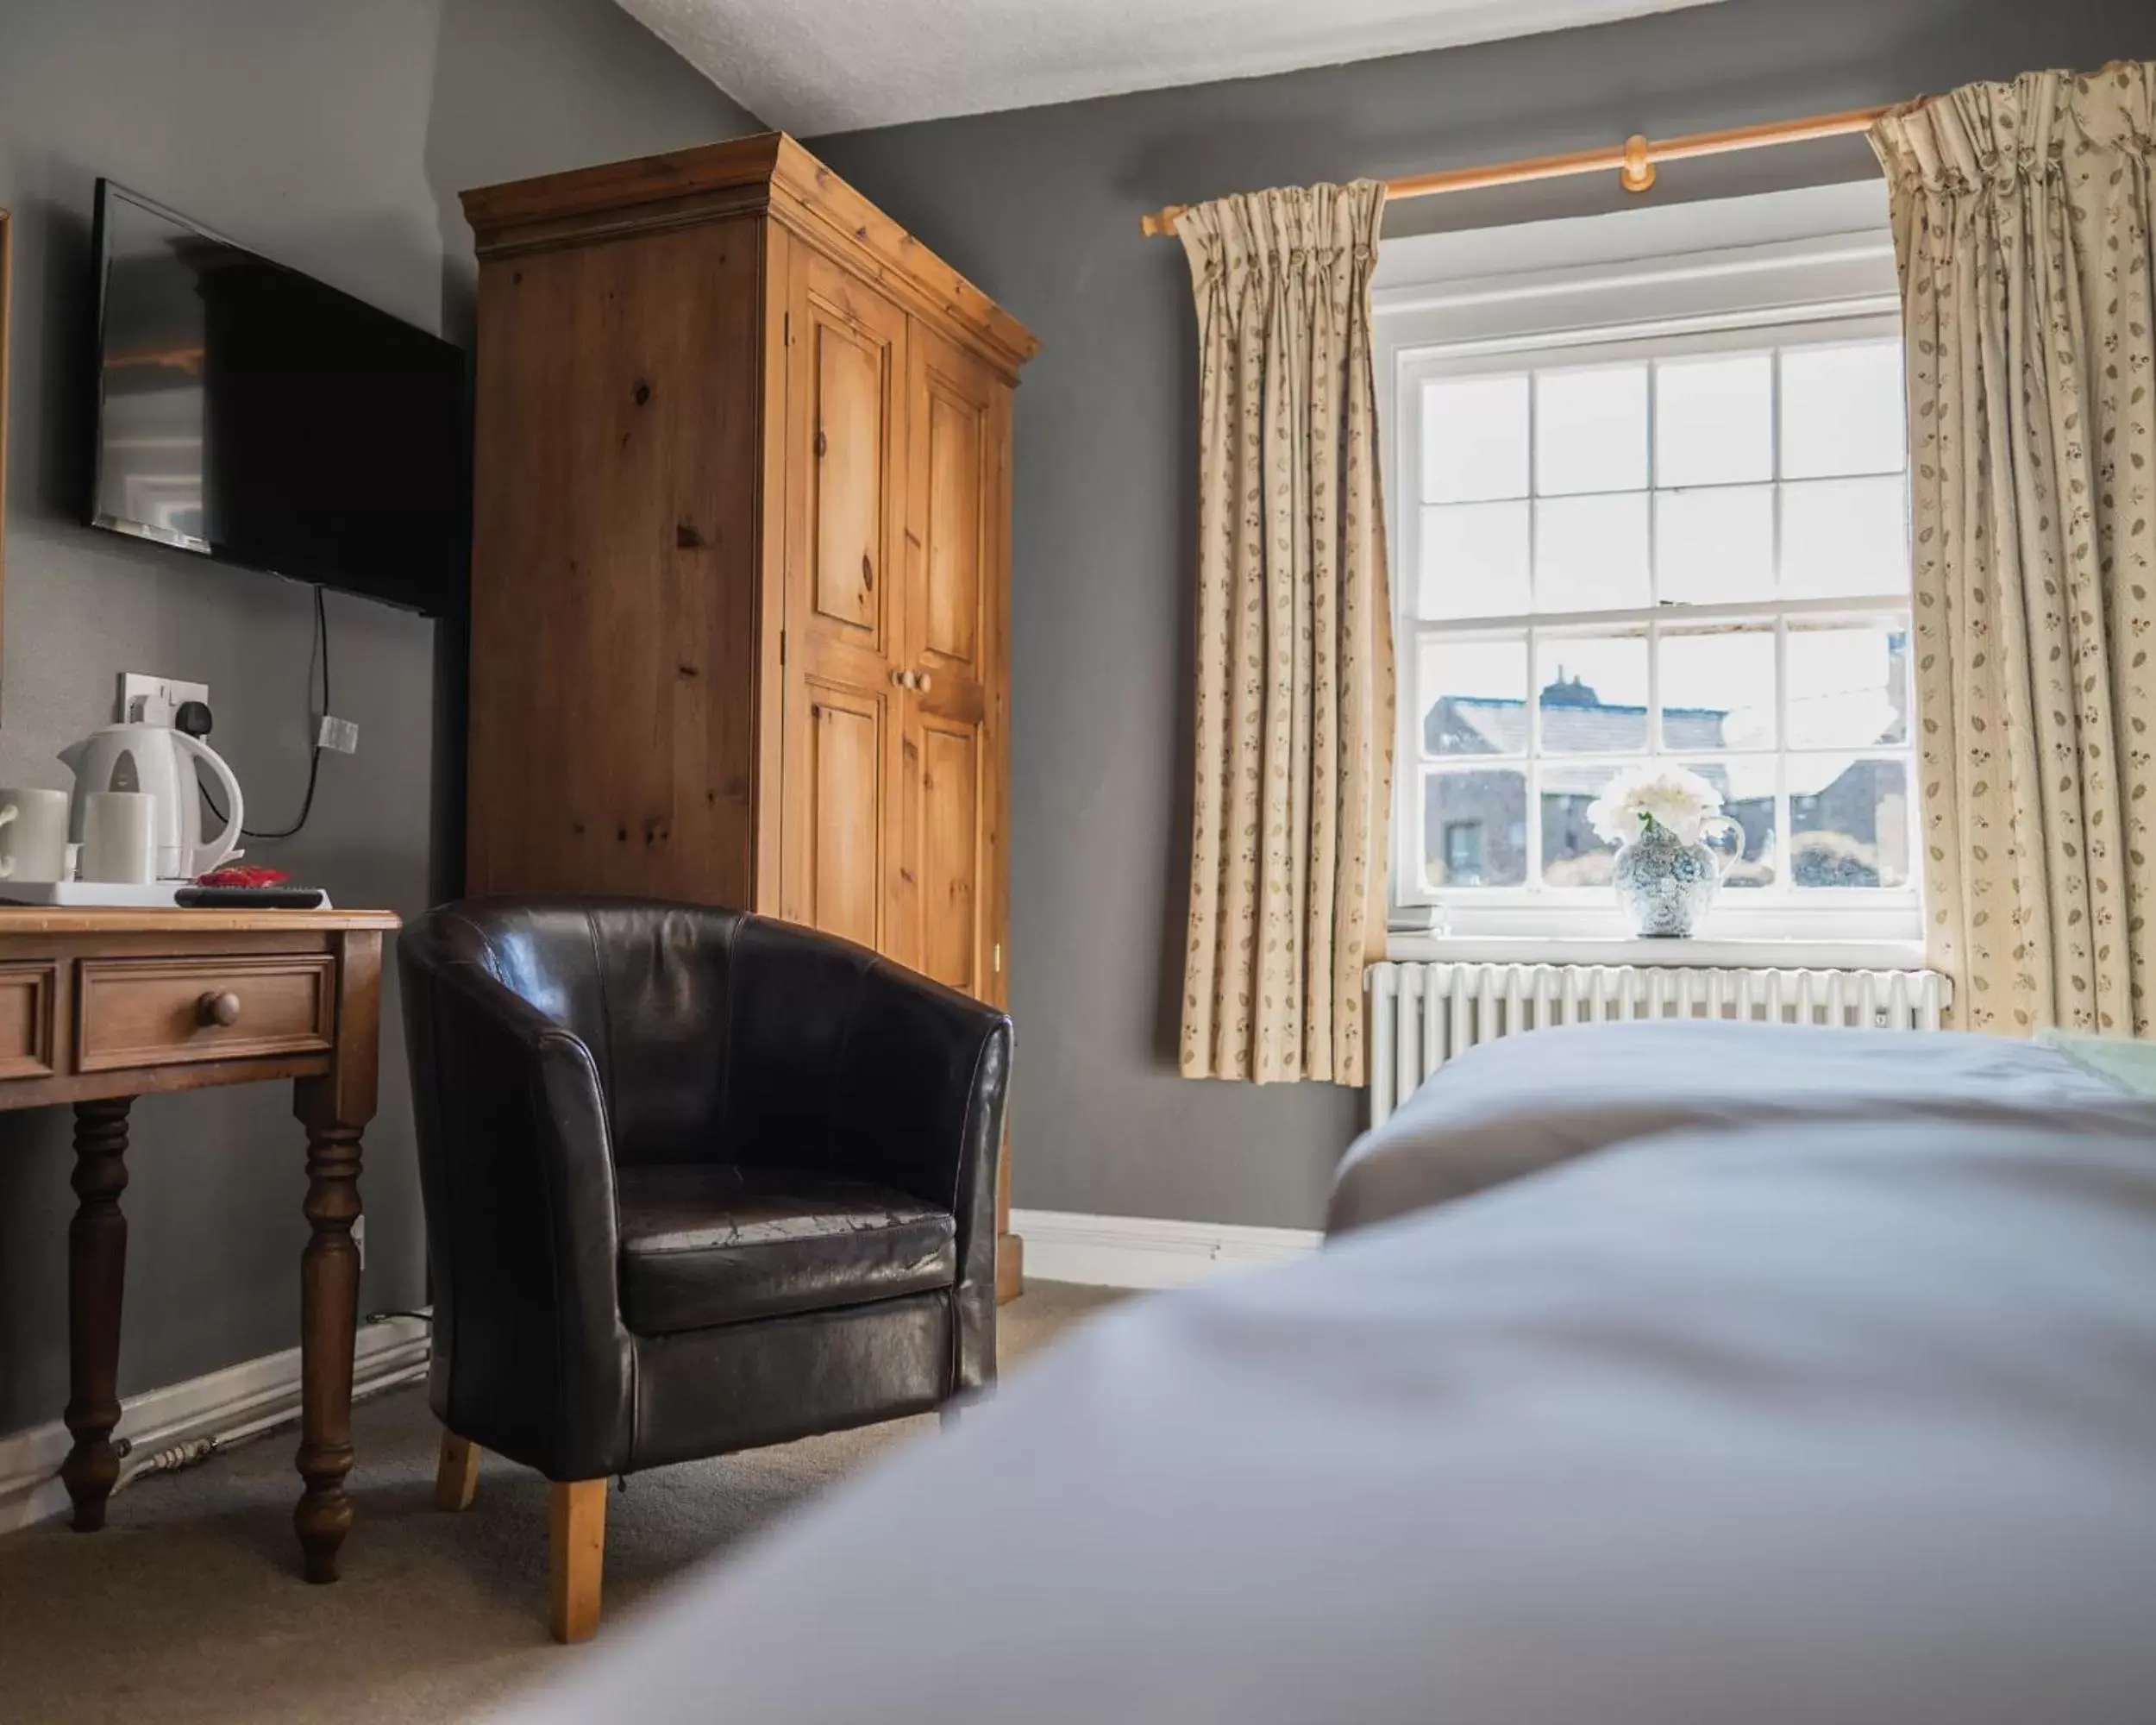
[[1715, 547], [1572, 856], [1474, 439], [1848, 684], [1718, 689], [1849, 822], [1713, 420], [1475, 829], [1475, 697], [1594, 696], [1841, 410], [1474, 560], [1591, 431], [1591, 553], [1845, 536], [1747, 794]]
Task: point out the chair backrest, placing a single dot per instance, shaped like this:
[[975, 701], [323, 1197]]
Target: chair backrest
[[644, 985]]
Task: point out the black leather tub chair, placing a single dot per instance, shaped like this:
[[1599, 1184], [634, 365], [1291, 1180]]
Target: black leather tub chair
[[695, 1182]]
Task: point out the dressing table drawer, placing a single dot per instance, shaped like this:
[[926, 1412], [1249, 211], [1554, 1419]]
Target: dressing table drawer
[[159, 1012], [26, 1020]]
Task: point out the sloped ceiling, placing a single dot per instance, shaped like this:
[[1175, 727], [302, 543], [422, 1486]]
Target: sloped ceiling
[[812, 66]]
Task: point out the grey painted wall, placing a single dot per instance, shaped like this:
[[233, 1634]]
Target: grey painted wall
[[336, 139], [1041, 208]]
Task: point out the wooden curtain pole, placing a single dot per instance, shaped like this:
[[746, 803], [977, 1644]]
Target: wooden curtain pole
[[1633, 159]]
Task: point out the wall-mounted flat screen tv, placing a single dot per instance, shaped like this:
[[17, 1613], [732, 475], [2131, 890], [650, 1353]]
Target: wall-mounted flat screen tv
[[253, 414]]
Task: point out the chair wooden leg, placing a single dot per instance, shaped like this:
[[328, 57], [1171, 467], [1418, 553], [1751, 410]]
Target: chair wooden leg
[[457, 1477], [578, 1529]]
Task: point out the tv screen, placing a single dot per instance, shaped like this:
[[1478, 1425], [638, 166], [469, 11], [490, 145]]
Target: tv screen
[[253, 414]]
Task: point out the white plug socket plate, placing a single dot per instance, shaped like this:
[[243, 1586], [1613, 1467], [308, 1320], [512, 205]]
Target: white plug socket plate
[[147, 699]]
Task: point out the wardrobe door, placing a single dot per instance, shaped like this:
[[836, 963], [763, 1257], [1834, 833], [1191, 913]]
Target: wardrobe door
[[842, 816], [952, 665]]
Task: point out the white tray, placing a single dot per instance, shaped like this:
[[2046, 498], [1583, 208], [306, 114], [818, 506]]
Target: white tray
[[125, 894]]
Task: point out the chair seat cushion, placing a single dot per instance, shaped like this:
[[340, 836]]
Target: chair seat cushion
[[714, 1243]]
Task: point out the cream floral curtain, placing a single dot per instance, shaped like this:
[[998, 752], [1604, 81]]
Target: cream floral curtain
[[1294, 700], [2022, 218]]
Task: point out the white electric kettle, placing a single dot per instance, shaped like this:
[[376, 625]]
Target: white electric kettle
[[159, 760]]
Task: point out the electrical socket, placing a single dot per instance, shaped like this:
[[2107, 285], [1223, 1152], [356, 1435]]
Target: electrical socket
[[341, 734], [145, 699], [358, 1239]]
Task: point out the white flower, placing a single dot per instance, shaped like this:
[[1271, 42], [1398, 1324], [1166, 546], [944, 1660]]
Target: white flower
[[1667, 796]]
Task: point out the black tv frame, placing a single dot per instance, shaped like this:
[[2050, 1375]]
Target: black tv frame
[[450, 602]]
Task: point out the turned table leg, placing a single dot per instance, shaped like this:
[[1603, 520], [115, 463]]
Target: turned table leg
[[335, 1108], [328, 1317], [97, 1271]]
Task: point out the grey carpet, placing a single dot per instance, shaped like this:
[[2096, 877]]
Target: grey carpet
[[189, 1606]]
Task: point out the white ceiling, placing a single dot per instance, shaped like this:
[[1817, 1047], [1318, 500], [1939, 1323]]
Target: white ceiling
[[812, 66]]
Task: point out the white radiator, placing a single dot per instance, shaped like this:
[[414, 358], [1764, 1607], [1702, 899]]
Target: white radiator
[[1421, 1015]]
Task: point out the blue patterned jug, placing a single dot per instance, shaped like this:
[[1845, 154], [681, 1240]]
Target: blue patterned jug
[[1664, 884]]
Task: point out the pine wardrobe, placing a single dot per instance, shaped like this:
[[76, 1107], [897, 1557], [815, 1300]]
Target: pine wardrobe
[[740, 616]]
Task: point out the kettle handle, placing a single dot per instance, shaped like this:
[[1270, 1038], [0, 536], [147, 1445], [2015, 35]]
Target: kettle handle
[[208, 856]]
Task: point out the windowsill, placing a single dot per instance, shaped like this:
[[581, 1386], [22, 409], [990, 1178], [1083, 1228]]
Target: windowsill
[[1793, 953]]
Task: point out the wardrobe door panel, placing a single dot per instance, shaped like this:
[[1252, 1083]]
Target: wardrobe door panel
[[951, 575], [846, 796], [848, 448], [850, 452], [951, 858]]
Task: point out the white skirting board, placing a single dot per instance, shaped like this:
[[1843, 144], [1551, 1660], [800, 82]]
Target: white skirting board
[[1147, 1252], [238, 1401]]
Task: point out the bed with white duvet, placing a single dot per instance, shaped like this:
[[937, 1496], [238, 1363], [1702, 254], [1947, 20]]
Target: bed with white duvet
[[1521, 1104], [1841, 1413]]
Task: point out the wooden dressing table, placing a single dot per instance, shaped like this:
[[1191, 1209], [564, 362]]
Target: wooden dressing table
[[99, 1006]]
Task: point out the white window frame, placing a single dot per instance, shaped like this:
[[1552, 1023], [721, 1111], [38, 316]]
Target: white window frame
[[1817, 265]]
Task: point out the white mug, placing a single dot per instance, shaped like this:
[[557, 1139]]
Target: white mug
[[119, 836], [33, 835]]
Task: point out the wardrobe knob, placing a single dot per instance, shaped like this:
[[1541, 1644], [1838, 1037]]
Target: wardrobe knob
[[921, 681], [902, 679]]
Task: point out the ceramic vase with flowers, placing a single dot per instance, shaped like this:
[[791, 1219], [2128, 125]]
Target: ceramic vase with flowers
[[1665, 874]]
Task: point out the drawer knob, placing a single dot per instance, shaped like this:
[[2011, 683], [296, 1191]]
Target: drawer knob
[[221, 1008]]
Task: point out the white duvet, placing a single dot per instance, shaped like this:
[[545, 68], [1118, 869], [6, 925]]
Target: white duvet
[[1850, 1420], [1522, 1103]]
